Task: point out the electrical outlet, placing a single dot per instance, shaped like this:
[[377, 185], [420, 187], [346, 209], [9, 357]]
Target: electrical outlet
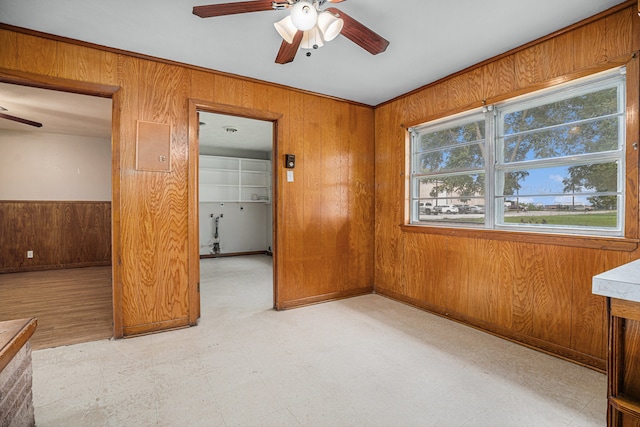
[[29, 254]]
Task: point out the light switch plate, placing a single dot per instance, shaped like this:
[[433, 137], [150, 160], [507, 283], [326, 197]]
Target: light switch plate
[[289, 176]]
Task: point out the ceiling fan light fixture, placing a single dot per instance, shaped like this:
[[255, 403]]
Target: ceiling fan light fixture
[[329, 25], [304, 15], [286, 29]]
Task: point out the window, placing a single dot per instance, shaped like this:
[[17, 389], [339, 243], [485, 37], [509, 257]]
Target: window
[[550, 161]]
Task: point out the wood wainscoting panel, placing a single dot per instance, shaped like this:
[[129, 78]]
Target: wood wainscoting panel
[[42, 57], [9, 43], [390, 196], [491, 284], [76, 62], [499, 77], [619, 41], [325, 218], [589, 311], [589, 45], [533, 290], [61, 234], [154, 205], [359, 176]]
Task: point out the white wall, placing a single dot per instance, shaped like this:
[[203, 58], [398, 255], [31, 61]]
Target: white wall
[[42, 166], [239, 230]]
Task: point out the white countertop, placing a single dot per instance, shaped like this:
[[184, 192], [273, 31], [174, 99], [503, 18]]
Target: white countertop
[[622, 282]]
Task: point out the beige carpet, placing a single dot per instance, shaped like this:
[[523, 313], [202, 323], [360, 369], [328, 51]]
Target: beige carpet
[[365, 361]]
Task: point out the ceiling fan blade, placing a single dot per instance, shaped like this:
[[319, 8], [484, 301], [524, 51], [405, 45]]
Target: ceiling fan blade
[[359, 34], [20, 120], [222, 9], [288, 50]]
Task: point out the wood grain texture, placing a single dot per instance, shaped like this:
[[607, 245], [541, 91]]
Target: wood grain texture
[[631, 370], [326, 219], [528, 66], [531, 288], [14, 334], [588, 317], [155, 209], [499, 77], [623, 373], [458, 259], [71, 306], [290, 246], [589, 44], [632, 214], [61, 234], [76, 63], [41, 57], [491, 286], [389, 158], [620, 40], [465, 89], [9, 43], [357, 199]]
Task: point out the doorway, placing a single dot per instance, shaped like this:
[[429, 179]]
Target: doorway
[[56, 204], [236, 200]]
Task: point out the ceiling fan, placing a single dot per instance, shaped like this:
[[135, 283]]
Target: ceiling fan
[[18, 119], [307, 27]]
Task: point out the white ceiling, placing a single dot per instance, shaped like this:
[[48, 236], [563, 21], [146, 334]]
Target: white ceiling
[[430, 39], [59, 112], [256, 135]]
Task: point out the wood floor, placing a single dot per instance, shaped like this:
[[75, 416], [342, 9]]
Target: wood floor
[[71, 306]]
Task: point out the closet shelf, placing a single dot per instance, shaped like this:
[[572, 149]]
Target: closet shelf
[[234, 179]]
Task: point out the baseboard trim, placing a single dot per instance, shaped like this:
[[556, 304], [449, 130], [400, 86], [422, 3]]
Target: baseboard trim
[[525, 340], [235, 254], [153, 327], [54, 267], [332, 296]]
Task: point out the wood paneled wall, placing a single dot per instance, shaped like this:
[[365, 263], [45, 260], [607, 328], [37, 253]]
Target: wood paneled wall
[[60, 234], [533, 290], [324, 246]]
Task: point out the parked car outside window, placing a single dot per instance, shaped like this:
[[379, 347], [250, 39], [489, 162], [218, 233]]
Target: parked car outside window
[[427, 208], [447, 209]]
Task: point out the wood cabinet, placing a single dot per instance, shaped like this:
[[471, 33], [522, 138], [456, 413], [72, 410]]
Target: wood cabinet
[[621, 286], [233, 179], [624, 363]]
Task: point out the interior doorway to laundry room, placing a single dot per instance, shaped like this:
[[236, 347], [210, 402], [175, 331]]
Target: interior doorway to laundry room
[[235, 207]]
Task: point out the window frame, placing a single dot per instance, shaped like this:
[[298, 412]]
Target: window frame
[[494, 141]]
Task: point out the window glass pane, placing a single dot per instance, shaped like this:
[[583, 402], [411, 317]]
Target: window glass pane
[[584, 138], [587, 106], [452, 159], [458, 198], [532, 196], [550, 212], [458, 134], [452, 189]]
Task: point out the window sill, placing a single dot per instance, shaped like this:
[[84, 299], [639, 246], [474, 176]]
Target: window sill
[[593, 242]]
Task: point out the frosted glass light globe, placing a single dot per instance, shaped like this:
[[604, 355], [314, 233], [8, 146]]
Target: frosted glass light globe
[[304, 15]]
